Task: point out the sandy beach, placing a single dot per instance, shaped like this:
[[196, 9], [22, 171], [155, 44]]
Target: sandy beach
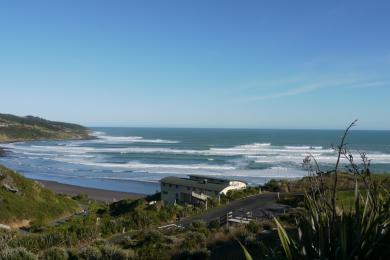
[[94, 194]]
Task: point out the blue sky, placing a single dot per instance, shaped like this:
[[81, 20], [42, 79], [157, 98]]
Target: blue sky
[[262, 64]]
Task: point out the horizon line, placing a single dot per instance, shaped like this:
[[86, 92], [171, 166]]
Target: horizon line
[[235, 128]]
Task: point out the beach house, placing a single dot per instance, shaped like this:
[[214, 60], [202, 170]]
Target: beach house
[[196, 189]]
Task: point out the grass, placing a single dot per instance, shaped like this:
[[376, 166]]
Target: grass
[[345, 182], [33, 128], [32, 203]]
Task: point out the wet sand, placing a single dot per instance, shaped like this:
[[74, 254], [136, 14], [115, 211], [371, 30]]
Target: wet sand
[[94, 194]]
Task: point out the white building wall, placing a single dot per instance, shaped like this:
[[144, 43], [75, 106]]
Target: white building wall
[[234, 185]]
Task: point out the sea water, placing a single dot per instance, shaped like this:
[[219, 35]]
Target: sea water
[[135, 159]]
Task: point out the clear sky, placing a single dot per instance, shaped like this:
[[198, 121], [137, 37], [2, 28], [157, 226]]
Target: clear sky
[[263, 64]]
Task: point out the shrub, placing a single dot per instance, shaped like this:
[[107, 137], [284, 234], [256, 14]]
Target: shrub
[[82, 197], [214, 224], [158, 251], [54, 253], [238, 194], [202, 254], [199, 226], [90, 253], [19, 253], [111, 252], [272, 185], [151, 237], [124, 206], [253, 227], [194, 240], [152, 245]]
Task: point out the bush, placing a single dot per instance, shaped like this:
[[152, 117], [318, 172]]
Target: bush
[[90, 253], [158, 251], [54, 253], [253, 227], [151, 237], [19, 253], [239, 194], [110, 252], [272, 185], [201, 254], [194, 240], [214, 224], [82, 197], [199, 226], [152, 245], [124, 206]]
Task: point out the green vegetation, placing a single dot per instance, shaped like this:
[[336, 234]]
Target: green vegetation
[[239, 194], [24, 202], [14, 128], [334, 216], [126, 229], [355, 227], [333, 223], [345, 182]]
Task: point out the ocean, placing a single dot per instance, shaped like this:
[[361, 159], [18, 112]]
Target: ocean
[[135, 159]]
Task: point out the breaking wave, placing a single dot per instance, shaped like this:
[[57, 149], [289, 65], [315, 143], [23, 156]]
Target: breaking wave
[[103, 137], [148, 159]]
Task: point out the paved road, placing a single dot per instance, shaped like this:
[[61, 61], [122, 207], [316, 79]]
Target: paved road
[[262, 205]]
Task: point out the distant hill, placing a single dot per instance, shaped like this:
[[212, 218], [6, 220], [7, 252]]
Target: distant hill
[[24, 202], [15, 128]]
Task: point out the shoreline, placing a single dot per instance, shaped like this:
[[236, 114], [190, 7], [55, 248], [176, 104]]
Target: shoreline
[[92, 193], [97, 194]]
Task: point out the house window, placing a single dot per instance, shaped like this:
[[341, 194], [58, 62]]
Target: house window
[[170, 185], [188, 188], [177, 186], [165, 192]]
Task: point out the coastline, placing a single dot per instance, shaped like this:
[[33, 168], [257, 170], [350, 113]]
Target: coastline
[[92, 193]]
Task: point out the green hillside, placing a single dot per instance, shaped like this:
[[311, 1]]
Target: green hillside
[[24, 202], [15, 128]]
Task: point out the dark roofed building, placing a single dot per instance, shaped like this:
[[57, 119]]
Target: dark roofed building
[[196, 188]]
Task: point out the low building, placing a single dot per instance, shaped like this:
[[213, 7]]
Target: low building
[[196, 188]]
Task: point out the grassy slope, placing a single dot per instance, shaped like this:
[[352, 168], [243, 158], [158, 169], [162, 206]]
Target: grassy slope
[[33, 202], [345, 193], [14, 128], [345, 182]]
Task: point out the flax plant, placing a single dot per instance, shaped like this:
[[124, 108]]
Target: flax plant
[[325, 230], [328, 231]]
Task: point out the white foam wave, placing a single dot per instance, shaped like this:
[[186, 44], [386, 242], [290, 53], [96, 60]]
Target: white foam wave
[[155, 168], [304, 147], [129, 139], [260, 153]]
